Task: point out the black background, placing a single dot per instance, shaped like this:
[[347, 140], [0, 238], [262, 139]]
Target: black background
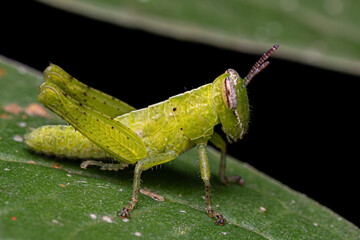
[[304, 121]]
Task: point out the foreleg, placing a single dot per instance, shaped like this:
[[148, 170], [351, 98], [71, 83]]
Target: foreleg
[[219, 143]]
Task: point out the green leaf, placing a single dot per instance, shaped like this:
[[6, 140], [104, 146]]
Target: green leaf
[[320, 33], [47, 198]]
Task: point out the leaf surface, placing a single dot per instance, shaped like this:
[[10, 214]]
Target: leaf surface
[[43, 197]]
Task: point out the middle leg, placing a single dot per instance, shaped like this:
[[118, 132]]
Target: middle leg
[[219, 143]]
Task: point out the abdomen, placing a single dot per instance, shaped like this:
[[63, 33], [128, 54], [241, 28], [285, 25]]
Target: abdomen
[[62, 141]]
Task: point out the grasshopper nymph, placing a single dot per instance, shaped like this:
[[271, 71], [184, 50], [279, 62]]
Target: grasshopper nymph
[[109, 128]]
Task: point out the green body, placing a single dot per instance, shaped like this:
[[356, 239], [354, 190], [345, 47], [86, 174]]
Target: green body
[[172, 126], [109, 128]]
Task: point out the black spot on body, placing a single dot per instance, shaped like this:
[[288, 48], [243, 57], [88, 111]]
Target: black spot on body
[[174, 109]]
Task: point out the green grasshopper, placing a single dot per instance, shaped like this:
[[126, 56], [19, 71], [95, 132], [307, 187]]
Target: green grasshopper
[[105, 127]]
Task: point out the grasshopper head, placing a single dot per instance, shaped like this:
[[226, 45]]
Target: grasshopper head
[[233, 107], [231, 104]]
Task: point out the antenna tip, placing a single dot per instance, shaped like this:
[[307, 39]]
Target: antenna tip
[[260, 64]]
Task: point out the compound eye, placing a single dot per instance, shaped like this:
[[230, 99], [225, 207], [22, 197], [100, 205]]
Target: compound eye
[[229, 93], [233, 75]]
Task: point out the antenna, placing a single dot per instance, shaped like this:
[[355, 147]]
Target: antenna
[[260, 64]]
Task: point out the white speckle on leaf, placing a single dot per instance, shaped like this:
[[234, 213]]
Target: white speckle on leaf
[[6, 169], [293, 202], [18, 138], [315, 224], [224, 233], [81, 181], [182, 211], [57, 222], [21, 124], [262, 209], [138, 234], [125, 220], [107, 219], [69, 175], [93, 216]]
